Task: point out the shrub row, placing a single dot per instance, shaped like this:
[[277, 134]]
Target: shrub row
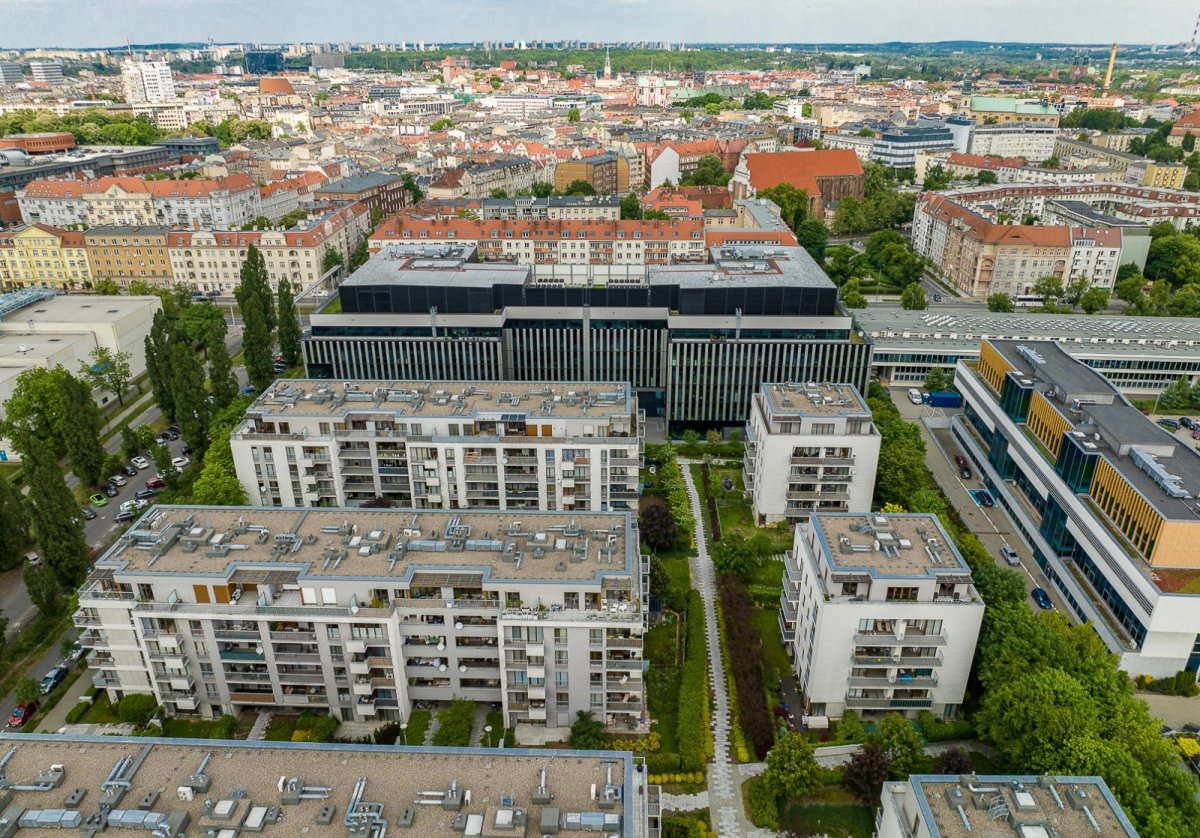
[[692, 721], [710, 501], [78, 712], [764, 808], [741, 634], [696, 777], [645, 744], [662, 763], [937, 730], [686, 825], [455, 724], [737, 739], [1181, 683]]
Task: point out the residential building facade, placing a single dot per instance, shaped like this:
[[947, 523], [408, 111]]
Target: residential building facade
[[1104, 498], [608, 174], [129, 254], [441, 445], [38, 254], [879, 614], [809, 448], [362, 613]]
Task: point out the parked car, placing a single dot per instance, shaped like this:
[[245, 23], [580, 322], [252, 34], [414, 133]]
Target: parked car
[[173, 429], [1169, 424], [1196, 434], [118, 480], [88, 513], [122, 517], [136, 503], [111, 490], [1009, 554], [98, 499], [53, 678], [128, 471], [187, 450], [964, 468], [986, 499], [155, 482], [914, 395], [1042, 598], [33, 557], [181, 462], [141, 463], [146, 494], [22, 714], [1185, 422], [249, 390], [76, 653]]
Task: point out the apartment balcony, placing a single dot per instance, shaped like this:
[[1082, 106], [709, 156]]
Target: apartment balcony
[[241, 635], [84, 619], [304, 699], [855, 703], [625, 664], [301, 678], [294, 636], [623, 706], [241, 655], [787, 631], [249, 677], [182, 701], [795, 495], [98, 591], [313, 657], [252, 698], [787, 608], [896, 660], [892, 682]]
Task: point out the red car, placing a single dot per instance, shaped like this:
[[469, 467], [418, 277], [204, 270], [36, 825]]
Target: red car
[[155, 483], [22, 714]]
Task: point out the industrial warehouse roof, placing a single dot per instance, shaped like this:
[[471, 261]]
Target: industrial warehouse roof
[[211, 787]]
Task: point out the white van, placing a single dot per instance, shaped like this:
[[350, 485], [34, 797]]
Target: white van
[[914, 395]]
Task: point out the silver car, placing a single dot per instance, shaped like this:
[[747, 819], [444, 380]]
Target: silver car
[[1010, 555]]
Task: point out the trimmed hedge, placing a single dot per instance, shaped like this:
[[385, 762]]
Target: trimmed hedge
[[764, 808], [936, 730], [78, 712], [662, 763], [692, 720]]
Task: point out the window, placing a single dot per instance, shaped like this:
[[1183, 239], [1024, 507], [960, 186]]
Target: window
[[902, 594], [823, 428]]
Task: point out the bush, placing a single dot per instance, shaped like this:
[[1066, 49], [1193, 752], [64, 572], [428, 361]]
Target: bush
[[312, 728], [455, 724], [745, 662], [78, 712], [764, 808], [937, 730], [662, 763], [850, 729], [692, 719], [137, 709], [1182, 683]]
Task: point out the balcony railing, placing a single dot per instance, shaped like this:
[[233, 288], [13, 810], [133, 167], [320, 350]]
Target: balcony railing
[[889, 703]]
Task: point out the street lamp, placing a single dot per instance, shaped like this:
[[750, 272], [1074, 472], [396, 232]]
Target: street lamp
[[488, 730], [404, 732]]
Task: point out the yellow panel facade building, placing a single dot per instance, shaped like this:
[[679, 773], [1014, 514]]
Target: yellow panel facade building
[[42, 255]]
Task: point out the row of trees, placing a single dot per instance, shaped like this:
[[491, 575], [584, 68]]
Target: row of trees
[[89, 127]]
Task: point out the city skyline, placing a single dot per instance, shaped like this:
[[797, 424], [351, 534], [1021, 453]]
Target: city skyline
[[101, 23]]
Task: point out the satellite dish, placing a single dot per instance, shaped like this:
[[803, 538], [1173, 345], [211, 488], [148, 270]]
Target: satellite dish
[[654, 469]]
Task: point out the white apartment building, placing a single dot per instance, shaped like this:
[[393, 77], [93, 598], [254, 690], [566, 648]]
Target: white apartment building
[[809, 448], [1031, 140], [147, 81], [442, 445], [361, 613], [879, 614]]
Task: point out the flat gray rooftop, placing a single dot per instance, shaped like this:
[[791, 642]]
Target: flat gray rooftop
[[740, 264], [1130, 442], [905, 545], [244, 775], [812, 399], [383, 544], [1033, 807], [71, 309], [484, 401]]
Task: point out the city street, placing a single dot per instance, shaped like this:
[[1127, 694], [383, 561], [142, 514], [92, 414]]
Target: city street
[[992, 525]]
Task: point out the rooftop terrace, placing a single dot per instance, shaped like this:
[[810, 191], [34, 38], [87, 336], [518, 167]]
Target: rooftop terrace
[[812, 399], [888, 546]]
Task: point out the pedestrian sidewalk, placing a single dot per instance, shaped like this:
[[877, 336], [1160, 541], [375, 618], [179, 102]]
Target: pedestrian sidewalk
[[57, 717]]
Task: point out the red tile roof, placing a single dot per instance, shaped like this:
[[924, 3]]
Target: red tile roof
[[768, 169]]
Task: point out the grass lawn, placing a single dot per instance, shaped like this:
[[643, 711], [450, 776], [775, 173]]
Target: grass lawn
[[281, 728], [981, 763], [829, 811], [662, 682], [775, 660], [193, 729], [734, 510], [418, 724], [102, 712]]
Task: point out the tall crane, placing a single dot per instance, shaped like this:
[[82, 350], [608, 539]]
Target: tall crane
[[1191, 46], [1112, 61]]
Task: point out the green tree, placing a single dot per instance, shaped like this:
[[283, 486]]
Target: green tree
[[813, 237], [709, 171], [360, 255], [44, 590], [986, 177], [109, 371], [161, 455], [81, 431], [902, 745], [631, 208], [203, 324], [587, 733], [258, 315], [331, 259], [1093, 300], [35, 412], [543, 189], [850, 217], [1000, 302], [158, 359], [791, 770], [852, 295], [498, 193], [913, 298], [792, 203], [937, 380], [130, 447], [657, 524], [1050, 289], [259, 222], [415, 194], [289, 324], [55, 519], [192, 409], [573, 115], [441, 125], [687, 114], [28, 691], [579, 187], [14, 526], [937, 177], [1177, 395], [105, 287], [735, 554], [218, 488], [222, 382], [866, 773]]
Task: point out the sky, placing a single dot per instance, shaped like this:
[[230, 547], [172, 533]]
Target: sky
[[78, 23]]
